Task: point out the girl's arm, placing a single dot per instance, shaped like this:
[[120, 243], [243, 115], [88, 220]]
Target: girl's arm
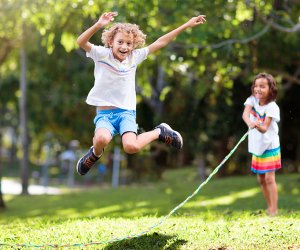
[[83, 39], [263, 127], [246, 116], [167, 38]]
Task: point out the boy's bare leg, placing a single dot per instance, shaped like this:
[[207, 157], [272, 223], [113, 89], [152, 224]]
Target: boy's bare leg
[[102, 138], [133, 143]]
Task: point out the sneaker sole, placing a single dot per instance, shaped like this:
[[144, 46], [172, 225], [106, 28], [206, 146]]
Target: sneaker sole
[[177, 133], [77, 167]]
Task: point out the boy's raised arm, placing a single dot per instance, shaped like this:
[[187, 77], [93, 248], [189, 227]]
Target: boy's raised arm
[[83, 39], [167, 38]]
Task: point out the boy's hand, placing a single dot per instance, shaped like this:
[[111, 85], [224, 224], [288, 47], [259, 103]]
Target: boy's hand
[[106, 18], [194, 21]]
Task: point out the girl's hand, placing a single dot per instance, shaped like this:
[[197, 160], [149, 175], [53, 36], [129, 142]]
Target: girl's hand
[[259, 126], [251, 125], [106, 18], [194, 21], [262, 126], [257, 123]]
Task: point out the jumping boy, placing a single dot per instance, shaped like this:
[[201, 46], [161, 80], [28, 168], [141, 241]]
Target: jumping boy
[[114, 88]]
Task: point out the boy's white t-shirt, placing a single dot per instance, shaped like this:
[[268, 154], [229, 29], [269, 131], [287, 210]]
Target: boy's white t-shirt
[[259, 142], [114, 80]]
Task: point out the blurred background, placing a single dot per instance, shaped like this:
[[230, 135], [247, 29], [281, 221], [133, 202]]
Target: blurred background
[[197, 84]]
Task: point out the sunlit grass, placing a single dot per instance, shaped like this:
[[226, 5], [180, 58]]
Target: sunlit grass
[[228, 213], [227, 199]]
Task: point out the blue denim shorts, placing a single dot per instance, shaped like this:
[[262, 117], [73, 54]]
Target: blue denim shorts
[[116, 121]]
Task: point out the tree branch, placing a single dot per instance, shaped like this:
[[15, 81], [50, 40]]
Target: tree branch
[[226, 42], [291, 78], [276, 26]]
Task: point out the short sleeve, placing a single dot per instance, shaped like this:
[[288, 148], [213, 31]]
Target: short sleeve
[[140, 54], [273, 111], [250, 101], [97, 52]]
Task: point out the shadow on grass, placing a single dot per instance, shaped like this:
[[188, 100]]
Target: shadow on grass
[[155, 241]]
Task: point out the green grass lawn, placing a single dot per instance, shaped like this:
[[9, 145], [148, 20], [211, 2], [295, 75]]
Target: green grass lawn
[[227, 213]]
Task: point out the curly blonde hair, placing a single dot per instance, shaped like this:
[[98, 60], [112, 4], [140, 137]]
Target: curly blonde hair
[[138, 36]]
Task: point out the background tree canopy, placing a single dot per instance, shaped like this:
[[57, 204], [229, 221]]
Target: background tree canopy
[[198, 83]]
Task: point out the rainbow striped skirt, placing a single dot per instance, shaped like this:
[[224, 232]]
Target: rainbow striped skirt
[[269, 161]]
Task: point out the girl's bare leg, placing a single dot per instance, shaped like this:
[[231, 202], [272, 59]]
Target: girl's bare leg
[[272, 192], [262, 181]]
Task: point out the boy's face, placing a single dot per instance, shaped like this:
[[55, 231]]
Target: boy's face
[[122, 45]]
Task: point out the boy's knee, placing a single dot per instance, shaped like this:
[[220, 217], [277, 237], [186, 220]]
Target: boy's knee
[[130, 148], [102, 139]]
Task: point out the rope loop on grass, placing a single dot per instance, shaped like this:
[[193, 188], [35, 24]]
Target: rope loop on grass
[[150, 228]]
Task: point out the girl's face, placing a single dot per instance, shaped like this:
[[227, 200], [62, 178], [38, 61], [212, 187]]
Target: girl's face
[[122, 45], [261, 90]]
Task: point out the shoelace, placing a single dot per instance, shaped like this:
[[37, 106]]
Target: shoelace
[[168, 139], [89, 162]]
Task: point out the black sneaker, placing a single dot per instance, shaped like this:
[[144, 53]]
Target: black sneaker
[[86, 162], [170, 136]]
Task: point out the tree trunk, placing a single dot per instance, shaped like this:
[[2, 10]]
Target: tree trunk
[[201, 167], [160, 84], [23, 120], [2, 204]]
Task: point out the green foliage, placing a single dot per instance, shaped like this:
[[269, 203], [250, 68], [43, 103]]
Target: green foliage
[[198, 83]]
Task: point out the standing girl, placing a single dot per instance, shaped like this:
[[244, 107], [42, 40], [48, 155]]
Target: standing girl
[[261, 114]]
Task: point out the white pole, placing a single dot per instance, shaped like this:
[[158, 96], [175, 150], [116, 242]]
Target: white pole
[[116, 167]]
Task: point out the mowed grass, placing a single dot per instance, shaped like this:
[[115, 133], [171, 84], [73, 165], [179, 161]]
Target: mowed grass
[[227, 213]]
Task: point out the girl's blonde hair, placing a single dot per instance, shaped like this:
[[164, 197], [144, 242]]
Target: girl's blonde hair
[[138, 36]]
